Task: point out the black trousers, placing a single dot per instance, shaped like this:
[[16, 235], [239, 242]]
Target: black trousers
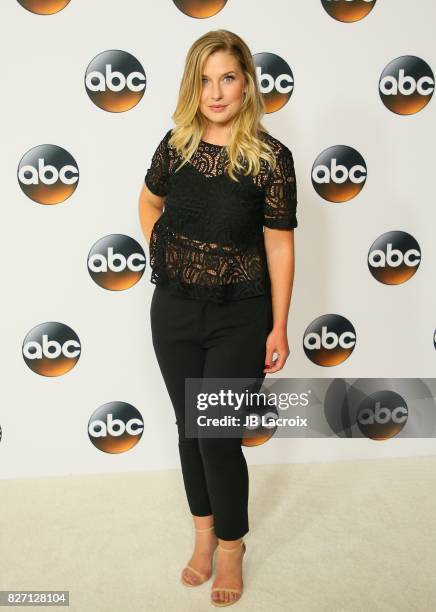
[[195, 339]]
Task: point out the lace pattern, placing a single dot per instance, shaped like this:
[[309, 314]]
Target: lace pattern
[[208, 243]]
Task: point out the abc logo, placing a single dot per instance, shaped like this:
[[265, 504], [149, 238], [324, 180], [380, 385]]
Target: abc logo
[[44, 7], [200, 10], [115, 427], [116, 262], [329, 340], [48, 174], [348, 10], [406, 85], [115, 81], [382, 415], [371, 407], [339, 173], [275, 80], [394, 257], [51, 349]]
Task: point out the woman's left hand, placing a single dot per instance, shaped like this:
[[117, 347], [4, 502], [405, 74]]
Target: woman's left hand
[[277, 342]]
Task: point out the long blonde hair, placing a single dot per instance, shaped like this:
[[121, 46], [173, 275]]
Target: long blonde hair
[[245, 142]]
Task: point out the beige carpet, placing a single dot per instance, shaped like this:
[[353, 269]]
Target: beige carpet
[[333, 537]]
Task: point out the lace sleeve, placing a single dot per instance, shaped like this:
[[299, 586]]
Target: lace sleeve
[[280, 205], [157, 174]]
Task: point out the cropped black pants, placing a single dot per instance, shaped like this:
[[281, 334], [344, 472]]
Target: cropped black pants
[[194, 339]]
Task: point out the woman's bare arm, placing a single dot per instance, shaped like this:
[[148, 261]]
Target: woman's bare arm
[[279, 246], [150, 209]]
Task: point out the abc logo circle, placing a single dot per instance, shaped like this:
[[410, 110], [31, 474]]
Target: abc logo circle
[[406, 85], [394, 257], [48, 174], [339, 173], [51, 349], [370, 407], [200, 10], [329, 340], [115, 427], [44, 7], [115, 81], [116, 262], [348, 11], [275, 80], [382, 415]]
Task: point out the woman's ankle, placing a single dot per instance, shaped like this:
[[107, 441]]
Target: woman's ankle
[[203, 523], [230, 544]]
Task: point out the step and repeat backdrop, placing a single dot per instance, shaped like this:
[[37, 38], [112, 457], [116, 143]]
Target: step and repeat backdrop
[[88, 92]]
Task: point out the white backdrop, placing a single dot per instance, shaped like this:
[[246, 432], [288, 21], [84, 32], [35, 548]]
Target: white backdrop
[[335, 100]]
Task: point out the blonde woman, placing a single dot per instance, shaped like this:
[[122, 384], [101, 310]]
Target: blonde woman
[[218, 208]]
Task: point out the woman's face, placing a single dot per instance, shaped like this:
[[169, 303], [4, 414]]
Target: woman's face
[[223, 87]]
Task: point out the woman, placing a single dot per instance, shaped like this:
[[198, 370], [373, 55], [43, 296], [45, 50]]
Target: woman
[[223, 283]]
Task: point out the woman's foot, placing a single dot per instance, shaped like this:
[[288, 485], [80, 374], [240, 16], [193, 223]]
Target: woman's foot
[[201, 559], [228, 571]]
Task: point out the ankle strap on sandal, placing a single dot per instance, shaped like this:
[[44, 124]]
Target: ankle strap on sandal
[[206, 529], [241, 543]]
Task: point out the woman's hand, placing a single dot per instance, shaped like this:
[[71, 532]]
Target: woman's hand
[[276, 342]]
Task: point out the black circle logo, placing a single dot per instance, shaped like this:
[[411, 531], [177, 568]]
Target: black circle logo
[[329, 340], [406, 85], [201, 9], [44, 7], [116, 262], [382, 415], [394, 257], [115, 81], [48, 174], [115, 427], [275, 80], [51, 349], [339, 173], [348, 11]]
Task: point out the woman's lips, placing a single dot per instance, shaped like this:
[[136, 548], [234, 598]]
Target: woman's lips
[[217, 108]]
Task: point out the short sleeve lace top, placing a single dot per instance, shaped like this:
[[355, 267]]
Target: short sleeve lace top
[[208, 243]]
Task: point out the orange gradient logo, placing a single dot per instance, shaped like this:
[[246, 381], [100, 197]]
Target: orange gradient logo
[[115, 427], [329, 340], [48, 174], [394, 257], [115, 81], [382, 415], [339, 173], [200, 9], [44, 7], [371, 408], [116, 262], [406, 85], [275, 80], [348, 10], [51, 349]]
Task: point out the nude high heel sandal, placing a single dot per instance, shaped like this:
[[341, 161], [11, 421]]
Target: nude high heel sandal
[[202, 576], [226, 589]]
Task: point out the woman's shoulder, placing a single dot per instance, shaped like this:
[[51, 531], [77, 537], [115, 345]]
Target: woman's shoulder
[[276, 145], [167, 135]]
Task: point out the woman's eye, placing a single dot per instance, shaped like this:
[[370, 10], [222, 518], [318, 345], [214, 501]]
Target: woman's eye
[[229, 76]]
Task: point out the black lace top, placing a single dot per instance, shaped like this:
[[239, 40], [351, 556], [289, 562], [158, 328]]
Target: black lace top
[[208, 242]]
